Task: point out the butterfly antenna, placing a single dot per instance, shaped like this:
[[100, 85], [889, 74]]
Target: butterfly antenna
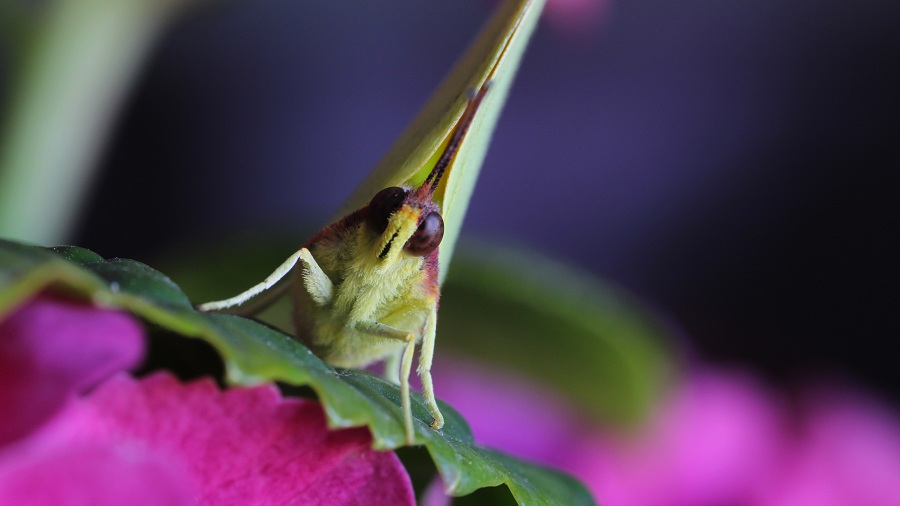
[[462, 127]]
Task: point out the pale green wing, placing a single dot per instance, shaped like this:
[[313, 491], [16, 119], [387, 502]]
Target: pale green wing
[[494, 56]]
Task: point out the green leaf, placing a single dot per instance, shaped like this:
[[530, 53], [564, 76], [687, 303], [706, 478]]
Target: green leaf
[[591, 341], [494, 56], [254, 353]]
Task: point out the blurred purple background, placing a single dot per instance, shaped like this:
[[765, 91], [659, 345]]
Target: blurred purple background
[[734, 163]]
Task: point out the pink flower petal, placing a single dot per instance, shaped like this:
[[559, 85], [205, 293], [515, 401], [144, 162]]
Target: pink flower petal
[[51, 349], [714, 441], [848, 452], [240, 446], [720, 437], [91, 473], [510, 412], [156, 441]]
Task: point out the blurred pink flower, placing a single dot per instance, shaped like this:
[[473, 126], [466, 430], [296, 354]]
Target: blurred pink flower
[[847, 451], [52, 350], [156, 440], [714, 440], [576, 17], [720, 437]]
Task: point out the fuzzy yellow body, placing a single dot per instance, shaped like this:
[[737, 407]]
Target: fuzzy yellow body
[[366, 289], [361, 297]]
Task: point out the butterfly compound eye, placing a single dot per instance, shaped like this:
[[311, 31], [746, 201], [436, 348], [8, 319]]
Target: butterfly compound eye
[[427, 237], [383, 205]]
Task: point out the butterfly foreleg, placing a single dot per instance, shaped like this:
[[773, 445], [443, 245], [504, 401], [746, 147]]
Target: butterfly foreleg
[[256, 289]]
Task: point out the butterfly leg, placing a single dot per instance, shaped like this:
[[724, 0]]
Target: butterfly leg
[[425, 356], [256, 289], [317, 283], [379, 329]]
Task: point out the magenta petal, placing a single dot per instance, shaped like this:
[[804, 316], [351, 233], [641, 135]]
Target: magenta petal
[[91, 473], [248, 445], [51, 349], [489, 399], [848, 452], [716, 440]]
